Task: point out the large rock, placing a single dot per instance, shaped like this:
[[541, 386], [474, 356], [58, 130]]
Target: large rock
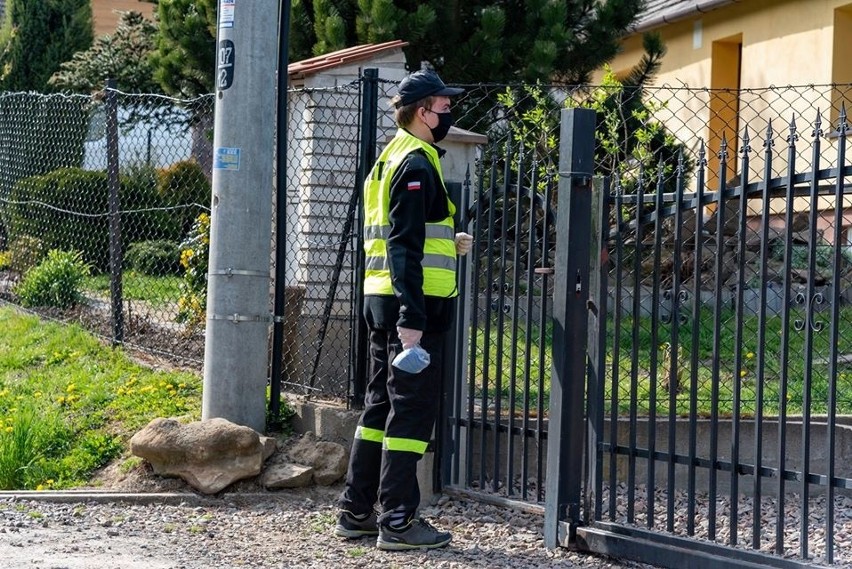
[[287, 475], [329, 460], [209, 455]]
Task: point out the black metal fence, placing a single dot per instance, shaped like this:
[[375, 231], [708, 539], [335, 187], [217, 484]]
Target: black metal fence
[[716, 329]]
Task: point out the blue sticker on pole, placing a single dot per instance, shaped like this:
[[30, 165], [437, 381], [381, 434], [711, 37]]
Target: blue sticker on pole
[[226, 159], [226, 14]]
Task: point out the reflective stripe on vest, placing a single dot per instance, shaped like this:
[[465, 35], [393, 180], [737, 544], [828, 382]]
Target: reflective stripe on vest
[[439, 250]]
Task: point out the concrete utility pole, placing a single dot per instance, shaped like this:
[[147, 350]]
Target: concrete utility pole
[[238, 311]]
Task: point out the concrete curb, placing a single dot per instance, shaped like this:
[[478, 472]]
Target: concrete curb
[[171, 498]]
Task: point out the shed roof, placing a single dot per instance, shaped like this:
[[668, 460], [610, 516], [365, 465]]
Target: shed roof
[[659, 12], [306, 67]]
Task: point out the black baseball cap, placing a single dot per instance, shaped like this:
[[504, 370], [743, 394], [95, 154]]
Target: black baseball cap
[[422, 84]]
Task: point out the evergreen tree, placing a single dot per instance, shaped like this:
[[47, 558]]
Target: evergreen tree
[[482, 41], [124, 56], [185, 58], [42, 35]]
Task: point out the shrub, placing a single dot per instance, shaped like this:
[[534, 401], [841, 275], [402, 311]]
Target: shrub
[[25, 252], [194, 256], [68, 210], [181, 184], [55, 282], [156, 258]]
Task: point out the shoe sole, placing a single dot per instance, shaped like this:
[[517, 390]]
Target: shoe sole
[[399, 546], [340, 531]]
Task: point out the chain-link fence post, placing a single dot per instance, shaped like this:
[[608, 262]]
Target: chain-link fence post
[[280, 301], [115, 251]]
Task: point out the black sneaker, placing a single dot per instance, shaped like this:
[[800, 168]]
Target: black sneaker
[[416, 534], [350, 527]]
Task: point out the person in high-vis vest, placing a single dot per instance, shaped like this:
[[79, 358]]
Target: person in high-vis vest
[[410, 245]]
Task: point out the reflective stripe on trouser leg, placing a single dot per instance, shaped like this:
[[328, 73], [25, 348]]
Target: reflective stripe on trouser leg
[[362, 478], [414, 406]]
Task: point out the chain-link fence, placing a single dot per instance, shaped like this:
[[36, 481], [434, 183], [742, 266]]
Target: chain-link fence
[[55, 186]]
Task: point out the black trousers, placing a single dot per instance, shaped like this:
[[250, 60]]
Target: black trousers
[[397, 405]]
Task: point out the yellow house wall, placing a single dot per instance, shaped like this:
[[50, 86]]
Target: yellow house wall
[[784, 43]]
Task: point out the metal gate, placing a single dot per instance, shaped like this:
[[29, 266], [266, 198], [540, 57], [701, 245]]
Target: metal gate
[[716, 362]]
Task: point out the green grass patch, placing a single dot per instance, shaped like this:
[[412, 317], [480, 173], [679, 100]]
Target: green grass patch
[[69, 405], [157, 291], [708, 380]]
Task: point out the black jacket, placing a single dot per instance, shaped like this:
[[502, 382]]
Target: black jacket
[[409, 212]]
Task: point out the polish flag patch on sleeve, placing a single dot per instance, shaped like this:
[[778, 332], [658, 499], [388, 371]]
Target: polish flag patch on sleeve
[[413, 186]]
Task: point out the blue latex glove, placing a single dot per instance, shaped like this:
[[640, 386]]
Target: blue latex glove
[[412, 360]]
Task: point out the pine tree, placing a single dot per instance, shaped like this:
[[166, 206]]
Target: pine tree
[[124, 56], [185, 58], [42, 36], [481, 41]]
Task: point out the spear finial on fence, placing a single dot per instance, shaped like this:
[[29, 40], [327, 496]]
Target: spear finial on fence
[[842, 127], [768, 142], [723, 149], [817, 125], [746, 146], [702, 155], [794, 135]]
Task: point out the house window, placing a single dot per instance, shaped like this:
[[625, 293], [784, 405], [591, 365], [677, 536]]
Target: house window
[[841, 65]]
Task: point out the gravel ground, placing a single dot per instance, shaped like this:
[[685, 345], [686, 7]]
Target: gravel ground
[[280, 530]]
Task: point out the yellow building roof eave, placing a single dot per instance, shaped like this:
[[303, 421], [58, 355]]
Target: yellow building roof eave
[[687, 9]]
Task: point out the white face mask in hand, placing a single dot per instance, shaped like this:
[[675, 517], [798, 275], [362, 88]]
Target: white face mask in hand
[[412, 360]]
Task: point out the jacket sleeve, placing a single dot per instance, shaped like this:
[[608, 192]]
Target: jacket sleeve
[[406, 239]]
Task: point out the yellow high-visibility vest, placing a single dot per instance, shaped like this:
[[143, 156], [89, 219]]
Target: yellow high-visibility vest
[[439, 249]]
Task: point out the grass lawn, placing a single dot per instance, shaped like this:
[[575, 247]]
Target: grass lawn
[[69, 404], [157, 291]]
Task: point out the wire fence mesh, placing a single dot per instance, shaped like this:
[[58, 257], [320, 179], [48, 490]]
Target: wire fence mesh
[[54, 195]]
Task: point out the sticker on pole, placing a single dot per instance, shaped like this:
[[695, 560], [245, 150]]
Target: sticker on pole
[[226, 159], [225, 65], [226, 14]]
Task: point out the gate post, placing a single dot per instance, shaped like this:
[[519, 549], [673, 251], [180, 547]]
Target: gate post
[[570, 326]]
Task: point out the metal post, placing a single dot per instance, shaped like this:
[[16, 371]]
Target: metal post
[[280, 302], [115, 252], [570, 326], [367, 152], [236, 349]]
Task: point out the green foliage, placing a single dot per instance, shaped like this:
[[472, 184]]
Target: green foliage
[[185, 55], [29, 121], [25, 252], [155, 258], [477, 41], [27, 436], [194, 258], [43, 35], [184, 183], [69, 405], [155, 291], [124, 56], [43, 206], [55, 282]]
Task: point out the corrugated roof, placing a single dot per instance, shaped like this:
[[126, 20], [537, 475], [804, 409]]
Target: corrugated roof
[[301, 69], [659, 12]]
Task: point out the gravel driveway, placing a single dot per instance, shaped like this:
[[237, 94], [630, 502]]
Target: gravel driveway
[[276, 530]]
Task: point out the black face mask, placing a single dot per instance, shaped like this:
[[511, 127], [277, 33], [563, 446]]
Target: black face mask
[[445, 121]]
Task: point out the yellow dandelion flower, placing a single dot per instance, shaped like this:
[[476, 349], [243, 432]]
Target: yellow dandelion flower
[[60, 400], [750, 355], [743, 373], [181, 385], [9, 429], [37, 394], [71, 387], [39, 488], [50, 481]]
